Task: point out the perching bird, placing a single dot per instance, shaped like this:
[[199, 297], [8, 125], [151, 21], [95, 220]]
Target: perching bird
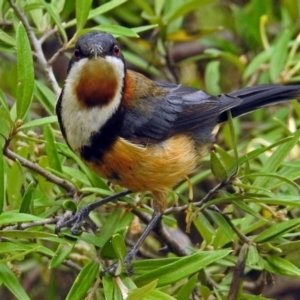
[[142, 134]]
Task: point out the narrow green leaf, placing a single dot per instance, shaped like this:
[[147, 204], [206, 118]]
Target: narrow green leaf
[[62, 251], [146, 7], [273, 175], [56, 19], [223, 225], [156, 294], [289, 247], [114, 29], [45, 96], [17, 234], [2, 180], [183, 8], [3, 102], [108, 286], [25, 205], [277, 158], [13, 217], [277, 230], [182, 268], [279, 54], [212, 78], [143, 28], [99, 10], [25, 73], [252, 256], [39, 122], [187, 289], [83, 281], [119, 246], [140, 293], [256, 62], [9, 279], [82, 12], [7, 39], [9, 247], [283, 266], [217, 167], [51, 148]]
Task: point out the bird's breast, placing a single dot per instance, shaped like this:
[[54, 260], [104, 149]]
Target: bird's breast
[[154, 167]]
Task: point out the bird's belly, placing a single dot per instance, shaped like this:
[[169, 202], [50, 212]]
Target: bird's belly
[[155, 167]]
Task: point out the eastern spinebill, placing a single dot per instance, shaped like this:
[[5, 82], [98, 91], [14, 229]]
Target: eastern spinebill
[[142, 134]]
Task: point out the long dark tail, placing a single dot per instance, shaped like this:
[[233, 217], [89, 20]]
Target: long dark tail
[[261, 95]]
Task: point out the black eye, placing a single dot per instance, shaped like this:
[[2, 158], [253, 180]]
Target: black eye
[[116, 50], [76, 54]]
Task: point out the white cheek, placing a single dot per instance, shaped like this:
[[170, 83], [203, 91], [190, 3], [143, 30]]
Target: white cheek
[[79, 121]]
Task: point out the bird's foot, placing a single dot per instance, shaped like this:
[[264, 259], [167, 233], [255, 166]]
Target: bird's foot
[[76, 221], [116, 268]]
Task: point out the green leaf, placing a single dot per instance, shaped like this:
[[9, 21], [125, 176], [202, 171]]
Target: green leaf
[[279, 54], [100, 10], [9, 279], [273, 175], [56, 19], [183, 8], [223, 225], [158, 295], [119, 247], [45, 96], [25, 73], [182, 268], [217, 167], [113, 29], [51, 148], [82, 12], [252, 256], [187, 289], [277, 230], [25, 205], [13, 217], [9, 247], [282, 266], [212, 78], [111, 290], [2, 180], [7, 39], [289, 247], [62, 251], [256, 62], [39, 122], [273, 163], [140, 293], [83, 281]]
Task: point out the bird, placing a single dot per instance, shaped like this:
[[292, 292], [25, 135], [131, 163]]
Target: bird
[[138, 133]]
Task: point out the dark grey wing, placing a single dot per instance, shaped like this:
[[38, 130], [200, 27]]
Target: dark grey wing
[[180, 109]]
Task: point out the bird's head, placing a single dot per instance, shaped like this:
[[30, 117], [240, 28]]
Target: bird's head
[[97, 70]]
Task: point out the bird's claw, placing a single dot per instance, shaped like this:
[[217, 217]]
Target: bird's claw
[[75, 221], [116, 268]]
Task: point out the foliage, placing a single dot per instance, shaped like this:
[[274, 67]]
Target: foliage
[[250, 228]]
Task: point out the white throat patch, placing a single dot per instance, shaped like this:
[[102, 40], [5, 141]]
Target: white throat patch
[[79, 121]]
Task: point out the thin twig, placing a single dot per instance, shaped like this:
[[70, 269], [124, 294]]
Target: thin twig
[[241, 236], [37, 47], [205, 199], [36, 168], [47, 35], [24, 226]]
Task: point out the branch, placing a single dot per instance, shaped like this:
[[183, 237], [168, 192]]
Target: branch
[[163, 234], [36, 168], [37, 46]]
